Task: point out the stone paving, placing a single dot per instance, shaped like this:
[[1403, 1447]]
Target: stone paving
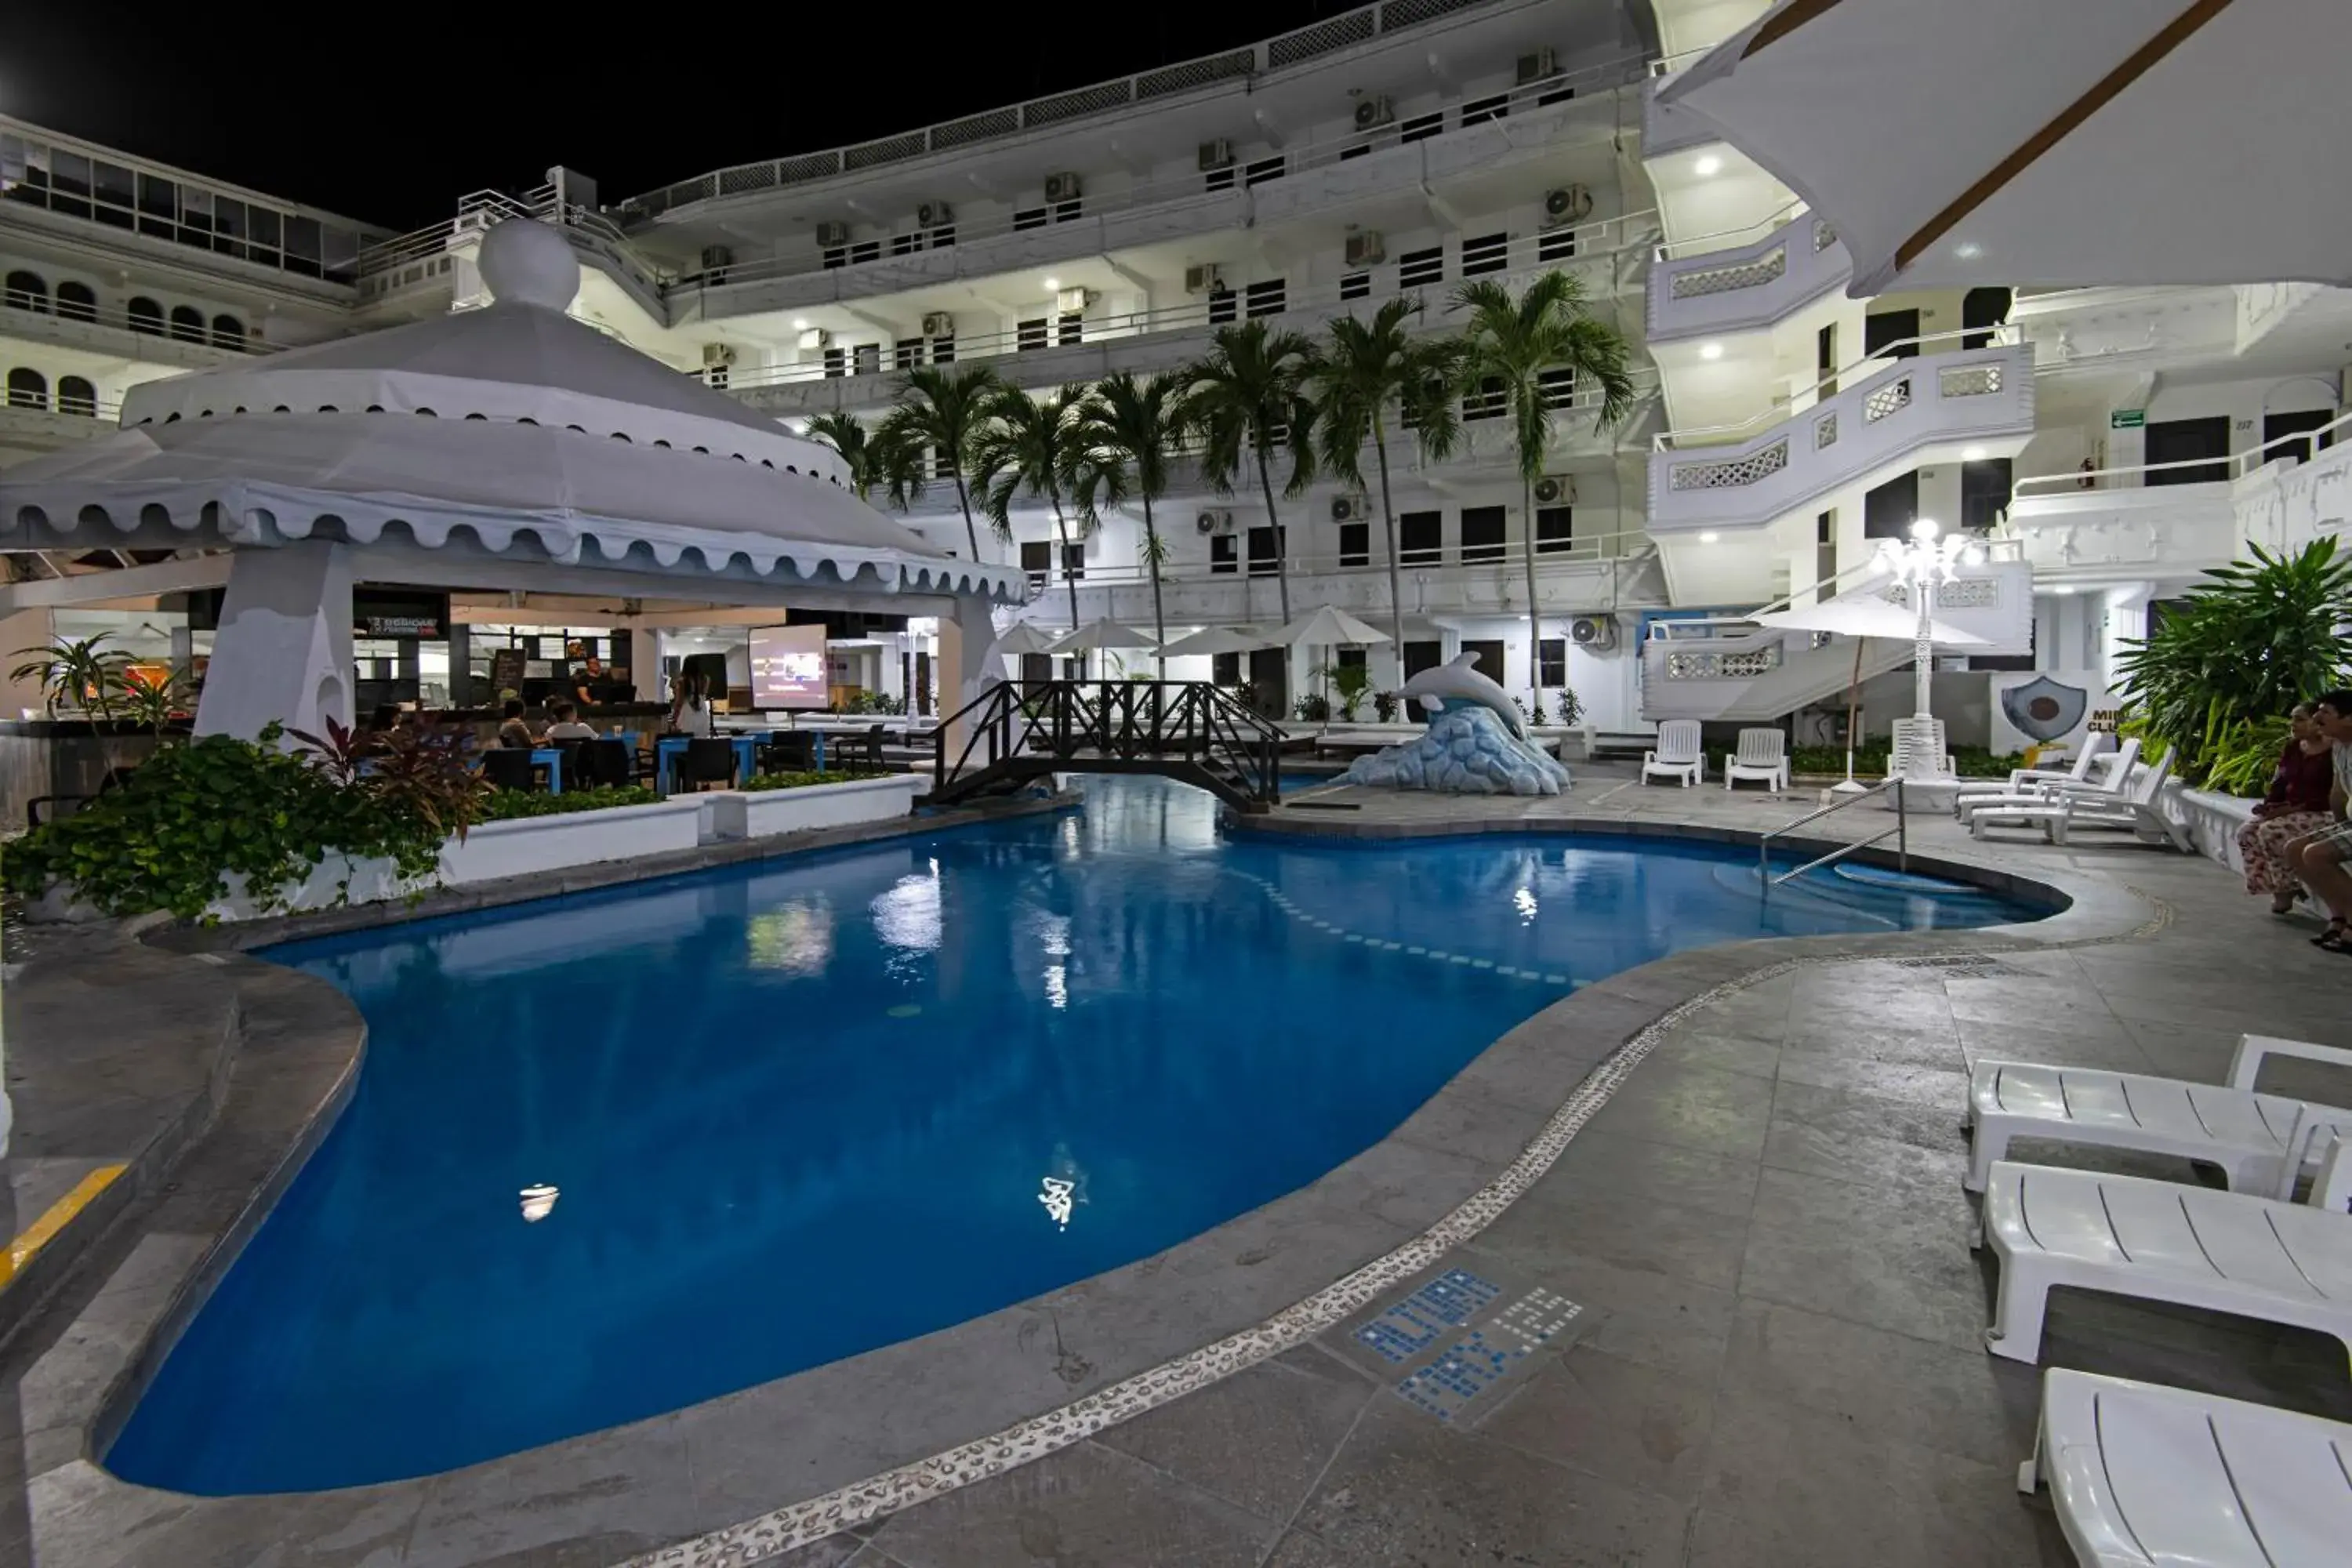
[[1764, 1340]]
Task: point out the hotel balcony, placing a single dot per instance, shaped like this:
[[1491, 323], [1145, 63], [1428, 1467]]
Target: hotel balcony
[[1695, 291]]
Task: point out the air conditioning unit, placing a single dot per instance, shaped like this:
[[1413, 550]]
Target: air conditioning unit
[[1592, 631], [815, 338], [717, 354], [930, 215], [716, 257], [1556, 489], [938, 324], [1373, 112], [1073, 301], [832, 235], [1566, 205], [1061, 187], [1541, 66], [1204, 280], [1350, 509], [1217, 154], [1214, 522], [1367, 249]]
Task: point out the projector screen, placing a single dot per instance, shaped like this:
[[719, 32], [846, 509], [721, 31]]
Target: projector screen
[[788, 666]]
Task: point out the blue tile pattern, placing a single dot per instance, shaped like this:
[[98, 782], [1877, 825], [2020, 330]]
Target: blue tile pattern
[[1470, 1366], [1407, 1329]]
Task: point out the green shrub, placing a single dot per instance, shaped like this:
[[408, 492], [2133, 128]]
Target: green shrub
[[1870, 762], [801, 780], [508, 805]]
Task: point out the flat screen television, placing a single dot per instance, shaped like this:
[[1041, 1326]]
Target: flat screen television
[[788, 666]]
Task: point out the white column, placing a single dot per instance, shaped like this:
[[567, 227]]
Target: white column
[[965, 667], [283, 652]]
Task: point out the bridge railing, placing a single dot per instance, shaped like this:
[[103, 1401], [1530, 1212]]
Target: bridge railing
[[1074, 722]]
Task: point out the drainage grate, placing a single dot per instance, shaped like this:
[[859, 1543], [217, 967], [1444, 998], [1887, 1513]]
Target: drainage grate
[[1968, 966]]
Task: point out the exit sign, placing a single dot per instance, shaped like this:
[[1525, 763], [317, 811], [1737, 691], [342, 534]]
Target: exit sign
[[2127, 419]]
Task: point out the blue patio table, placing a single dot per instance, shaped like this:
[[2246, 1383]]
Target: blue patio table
[[552, 759]]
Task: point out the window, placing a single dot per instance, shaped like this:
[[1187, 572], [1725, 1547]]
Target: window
[[1421, 656], [1358, 151], [1219, 179], [1559, 385], [942, 237], [1071, 328], [864, 251], [1265, 169], [1486, 658], [159, 207], [1488, 402], [1350, 658], [1265, 299], [868, 358], [836, 256], [1556, 244], [1355, 544], [1478, 110], [1551, 663], [1556, 95], [943, 350], [1224, 669], [76, 302], [1036, 559], [1887, 510], [1984, 492], [2186, 441], [1420, 538], [1352, 286], [26, 291], [301, 245], [1222, 558], [228, 332], [715, 376], [1415, 267], [1066, 212], [1074, 563], [905, 244], [836, 361], [146, 316], [1889, 333], [1031, 217], [187, 324], [1030, 334], [1223, 306], [28, 389], [1421, 127], [906, 354], [76, 395], [1555, 529], [1488, 253], [1265, 549], [1482, 534]]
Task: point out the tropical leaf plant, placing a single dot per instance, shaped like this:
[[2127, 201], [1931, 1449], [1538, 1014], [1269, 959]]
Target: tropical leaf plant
[[943, 411], [2251, 641], [1042, 448], [1136, 427], [75, 672], [869, 455], [1249, 403]]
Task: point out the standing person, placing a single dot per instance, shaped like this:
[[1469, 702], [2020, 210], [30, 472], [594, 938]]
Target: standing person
[[2320, 857], [2295, 808], [689, 709], [588, 681]]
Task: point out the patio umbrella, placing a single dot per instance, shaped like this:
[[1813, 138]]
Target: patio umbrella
[[1219, 639], [1105, 633], [2099, 141], [1020, 638], [1861, 616], [1327, 628]]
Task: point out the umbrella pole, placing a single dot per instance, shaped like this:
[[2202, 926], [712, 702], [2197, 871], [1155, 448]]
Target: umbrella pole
[[1852, 702]]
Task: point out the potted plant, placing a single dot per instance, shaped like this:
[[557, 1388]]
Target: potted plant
[[1385, 706]]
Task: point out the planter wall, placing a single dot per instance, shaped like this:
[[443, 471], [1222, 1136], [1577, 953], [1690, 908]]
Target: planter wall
[[531, 844], [763, 814], [2213, 822]]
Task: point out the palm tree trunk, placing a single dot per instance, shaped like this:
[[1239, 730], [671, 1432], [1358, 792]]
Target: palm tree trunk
[[1535, 620], [1062, 531], [964, 500], [1281, 553], [1152, 554], [1387, 523]]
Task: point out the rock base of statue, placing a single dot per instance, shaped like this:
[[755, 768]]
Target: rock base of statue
[[1465, 750]]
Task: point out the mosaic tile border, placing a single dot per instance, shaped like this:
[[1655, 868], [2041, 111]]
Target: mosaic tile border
[[800, 1524]]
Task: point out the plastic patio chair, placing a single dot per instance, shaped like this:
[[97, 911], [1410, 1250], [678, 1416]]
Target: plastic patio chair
[[1678, 755], [706, 761], [510, 767], [1762, 756]]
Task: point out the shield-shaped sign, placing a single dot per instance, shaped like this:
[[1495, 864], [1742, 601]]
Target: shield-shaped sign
[[2043, 709]]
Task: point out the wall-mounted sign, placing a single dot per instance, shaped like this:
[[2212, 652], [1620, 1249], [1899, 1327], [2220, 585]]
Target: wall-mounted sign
[[399, 613], [2127, 419]]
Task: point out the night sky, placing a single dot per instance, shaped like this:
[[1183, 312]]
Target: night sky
[[389, 118]]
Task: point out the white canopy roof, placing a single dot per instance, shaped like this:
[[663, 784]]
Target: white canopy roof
[[545, 437], [1324, 627], [1866, 614], [1219, 639], [2032, 143]]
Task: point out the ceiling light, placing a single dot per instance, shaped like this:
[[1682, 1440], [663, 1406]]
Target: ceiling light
[[1972, 453], [1710, 351], [2063, 588], [1709, 537], [1052, 284], [1967, 251], [800, 323], [1710, 165]]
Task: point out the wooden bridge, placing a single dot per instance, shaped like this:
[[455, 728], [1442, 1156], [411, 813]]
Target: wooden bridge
[[1185, 730]]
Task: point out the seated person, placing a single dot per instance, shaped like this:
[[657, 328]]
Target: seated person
[[2296, 807], [373, 738], [567, 725], [513, 731], [2319, 857]]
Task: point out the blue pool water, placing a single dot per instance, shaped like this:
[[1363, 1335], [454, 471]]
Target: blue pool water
[[774, 1116]]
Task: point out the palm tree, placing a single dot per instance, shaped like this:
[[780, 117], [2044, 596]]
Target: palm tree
[[1507, 348], [1042, 449], [943, 411], [1248, 396], [1366, 369], [1135, 426], [868, 453]]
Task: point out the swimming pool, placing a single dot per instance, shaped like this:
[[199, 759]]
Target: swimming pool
[[613, 1154]]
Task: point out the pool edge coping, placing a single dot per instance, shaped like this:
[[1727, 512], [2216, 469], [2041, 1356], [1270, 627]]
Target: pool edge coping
[[1585, 1043]]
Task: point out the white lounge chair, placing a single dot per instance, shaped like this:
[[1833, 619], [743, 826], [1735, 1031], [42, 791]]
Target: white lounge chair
[[1762, 756], [2147, 1476], [2098, 784], [2159, 1241], [2261, 1141], [2032, 781], [2138, 811], [1678, 755]]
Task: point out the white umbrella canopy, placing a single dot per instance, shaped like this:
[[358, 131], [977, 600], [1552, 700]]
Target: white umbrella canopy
[[1323, 627], [1101, 634], [2027, 143], [1021, 638], [1866, 615], [1220, 639]]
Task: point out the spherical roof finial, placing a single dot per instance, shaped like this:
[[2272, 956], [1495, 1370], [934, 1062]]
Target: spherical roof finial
[[524, 262]]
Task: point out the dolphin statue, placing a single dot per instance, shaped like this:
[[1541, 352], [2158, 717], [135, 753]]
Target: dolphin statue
[[1456, 684]]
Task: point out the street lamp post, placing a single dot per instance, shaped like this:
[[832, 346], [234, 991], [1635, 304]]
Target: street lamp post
[[1923, 564]]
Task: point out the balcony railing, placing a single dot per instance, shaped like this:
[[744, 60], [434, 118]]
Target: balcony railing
[[188, 331], [1327, 36], [1747, 288], [394, 263], [1237, 179]]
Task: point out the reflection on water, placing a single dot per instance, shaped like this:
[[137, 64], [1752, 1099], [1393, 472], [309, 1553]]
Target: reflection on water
[[800, 1109]]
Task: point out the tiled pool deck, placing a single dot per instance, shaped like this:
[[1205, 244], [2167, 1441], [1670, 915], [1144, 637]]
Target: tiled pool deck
[[1726, 1315]]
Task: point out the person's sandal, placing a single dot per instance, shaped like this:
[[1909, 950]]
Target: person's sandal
[[2332, 939]]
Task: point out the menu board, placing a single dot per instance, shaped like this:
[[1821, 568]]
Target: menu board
[[506, 671]]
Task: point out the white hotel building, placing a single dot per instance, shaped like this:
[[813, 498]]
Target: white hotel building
[[1781, 428]]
